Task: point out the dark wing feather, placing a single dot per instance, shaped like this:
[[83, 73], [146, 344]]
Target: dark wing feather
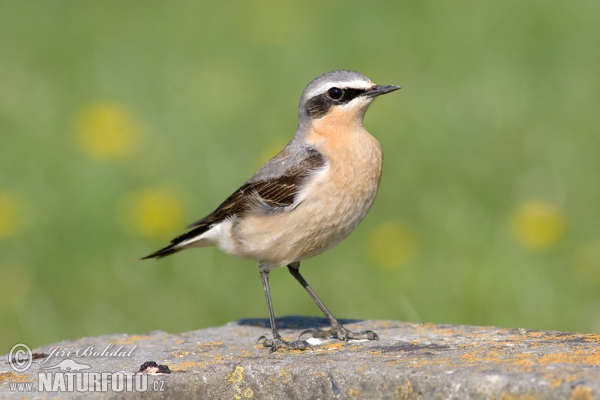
[[276, 192]]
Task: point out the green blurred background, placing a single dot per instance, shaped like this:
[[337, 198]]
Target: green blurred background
[[121, 122]]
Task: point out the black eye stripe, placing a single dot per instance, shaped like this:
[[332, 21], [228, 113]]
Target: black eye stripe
[[350, 94], [319, 105]]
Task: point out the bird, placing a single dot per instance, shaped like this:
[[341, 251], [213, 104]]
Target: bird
[[307, 198]]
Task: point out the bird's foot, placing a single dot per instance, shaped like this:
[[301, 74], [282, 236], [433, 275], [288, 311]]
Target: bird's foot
[[278, 343], [341, 333]]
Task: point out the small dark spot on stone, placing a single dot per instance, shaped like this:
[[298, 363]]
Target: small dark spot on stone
[[335, 389], [152, 368]]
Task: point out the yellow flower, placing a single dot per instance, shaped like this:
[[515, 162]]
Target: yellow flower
[[107, 131], [538, 225], [153, 212], [392, 244], [11, 215]]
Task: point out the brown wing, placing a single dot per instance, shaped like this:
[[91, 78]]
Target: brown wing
[[276, 192]]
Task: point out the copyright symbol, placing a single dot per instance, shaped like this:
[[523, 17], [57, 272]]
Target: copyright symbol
[[20, 357]]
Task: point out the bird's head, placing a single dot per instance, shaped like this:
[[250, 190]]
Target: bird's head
[[341, 91]]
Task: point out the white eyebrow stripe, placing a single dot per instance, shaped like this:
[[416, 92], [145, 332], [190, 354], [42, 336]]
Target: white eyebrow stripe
[[355, 84]]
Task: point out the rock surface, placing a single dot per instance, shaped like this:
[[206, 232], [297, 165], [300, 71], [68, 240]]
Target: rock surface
[[409, 361]]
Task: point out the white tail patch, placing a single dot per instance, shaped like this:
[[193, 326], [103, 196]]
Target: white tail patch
[[211, 237]]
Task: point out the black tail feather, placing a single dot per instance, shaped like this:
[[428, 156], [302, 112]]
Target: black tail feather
[[172, 248], [162, 252]]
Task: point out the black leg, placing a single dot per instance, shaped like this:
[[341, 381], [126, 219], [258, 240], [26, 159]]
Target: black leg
[[336, 328], [276, 342]]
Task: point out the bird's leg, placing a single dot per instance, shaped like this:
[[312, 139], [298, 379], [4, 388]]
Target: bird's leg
[[336, 328], [276, 342]]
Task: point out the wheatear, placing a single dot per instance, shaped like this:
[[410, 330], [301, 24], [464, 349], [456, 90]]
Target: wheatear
[[306, 199]]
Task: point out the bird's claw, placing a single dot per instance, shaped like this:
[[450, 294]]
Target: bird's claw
[[278, 343], [341, 333], [345, 334], [263, 337]]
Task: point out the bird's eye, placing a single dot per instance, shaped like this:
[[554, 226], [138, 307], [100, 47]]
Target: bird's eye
[[335, 93]]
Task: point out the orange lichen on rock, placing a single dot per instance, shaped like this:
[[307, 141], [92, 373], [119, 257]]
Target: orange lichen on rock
[[185, 366], [180, 354], [14, 377], [130, 339], [211, 344], [581, 393], [332, 346], [571, 357]]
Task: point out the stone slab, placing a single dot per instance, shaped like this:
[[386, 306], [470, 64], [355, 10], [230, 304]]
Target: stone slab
[[409, 361]]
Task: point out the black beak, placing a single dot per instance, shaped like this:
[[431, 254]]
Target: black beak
[[378, 90]]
